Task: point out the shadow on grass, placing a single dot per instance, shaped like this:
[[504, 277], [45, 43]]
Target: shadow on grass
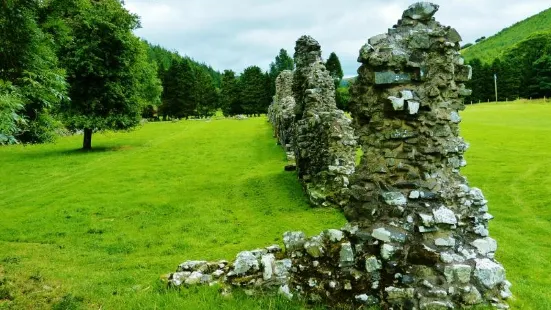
[[77, 152], [274, 187]]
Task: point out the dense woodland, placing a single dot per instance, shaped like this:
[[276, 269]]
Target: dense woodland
[[523, 71], [518, 55], [76, 66]]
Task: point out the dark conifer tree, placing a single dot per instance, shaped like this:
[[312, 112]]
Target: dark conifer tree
[[282, 62], [333, 65], [229, 98], [205, 94], [254, 94]]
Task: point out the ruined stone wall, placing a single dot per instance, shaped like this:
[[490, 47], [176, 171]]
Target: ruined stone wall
[[281, 111], [424, 218], [323, 139], [417, 236]]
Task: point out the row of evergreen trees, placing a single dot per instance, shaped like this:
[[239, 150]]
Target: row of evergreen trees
[[190, 89], [523, 71], [252, 91]]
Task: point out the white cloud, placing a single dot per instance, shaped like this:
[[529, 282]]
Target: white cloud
[[239, 33]]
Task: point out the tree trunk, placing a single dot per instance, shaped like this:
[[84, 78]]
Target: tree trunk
[[87, 144]]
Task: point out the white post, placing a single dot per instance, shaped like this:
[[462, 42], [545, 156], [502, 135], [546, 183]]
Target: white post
[[495, 84]]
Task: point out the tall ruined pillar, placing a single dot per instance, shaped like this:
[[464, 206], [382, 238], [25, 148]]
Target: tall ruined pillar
[[324, 142], [281, 112], [428, 228]]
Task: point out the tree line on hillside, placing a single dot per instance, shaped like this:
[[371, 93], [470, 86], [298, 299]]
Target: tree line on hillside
[[524, 71]]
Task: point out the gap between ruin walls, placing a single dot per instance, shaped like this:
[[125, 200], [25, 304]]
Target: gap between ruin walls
[[418, 235]]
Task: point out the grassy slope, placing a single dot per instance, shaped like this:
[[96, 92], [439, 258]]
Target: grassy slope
[[103, 226], [493, 46]]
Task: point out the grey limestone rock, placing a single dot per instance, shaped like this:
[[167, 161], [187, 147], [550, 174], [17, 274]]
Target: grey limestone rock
[[346, 255], [246, 261], [281, 111], [395, 198], [294, 240], [485, 246], [489, 273], [421, 11], [334, 235], [444, 215], [372, 264]]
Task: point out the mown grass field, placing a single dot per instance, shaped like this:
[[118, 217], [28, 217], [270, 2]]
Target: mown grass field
[[103, 226], [96, 230], [510, 160]]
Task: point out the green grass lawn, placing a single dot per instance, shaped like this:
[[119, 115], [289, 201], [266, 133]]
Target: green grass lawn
[[103, 226], [96, 230], [510, 160]]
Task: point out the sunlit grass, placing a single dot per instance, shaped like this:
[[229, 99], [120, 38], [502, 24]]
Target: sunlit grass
[[104, 225], [510, 160], [96, 230]]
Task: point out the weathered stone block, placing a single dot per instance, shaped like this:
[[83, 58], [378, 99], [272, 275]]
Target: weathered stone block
[[389, 77], [489, 273], [463, 73], [421, 11]]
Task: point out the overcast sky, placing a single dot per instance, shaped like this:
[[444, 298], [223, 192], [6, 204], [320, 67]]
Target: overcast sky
[[234, 34]]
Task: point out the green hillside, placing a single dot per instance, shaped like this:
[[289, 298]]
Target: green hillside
[[493, 47]]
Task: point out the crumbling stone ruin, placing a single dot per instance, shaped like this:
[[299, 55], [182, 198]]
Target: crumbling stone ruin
[[322, 139], [315, 134], [281, 112], [417, 236]]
